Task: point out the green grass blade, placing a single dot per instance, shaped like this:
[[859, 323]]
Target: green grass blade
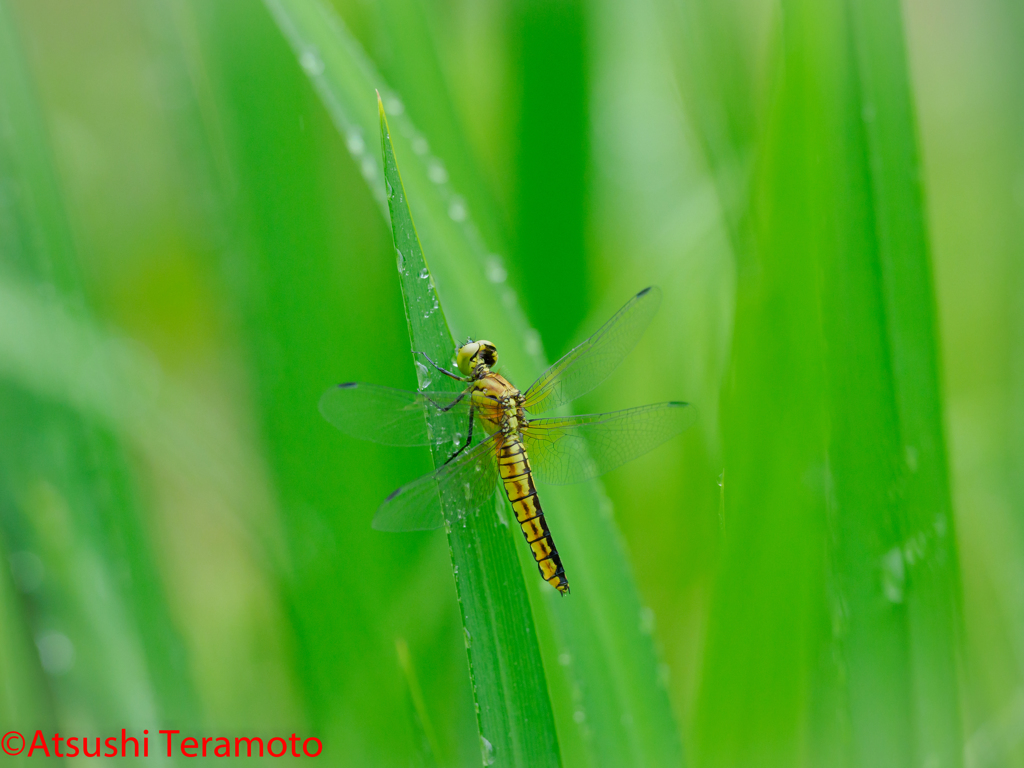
[[516, 724], [824, 396], [66, 472], [909, 308], [553, 143], [424, 737], [613, 699]]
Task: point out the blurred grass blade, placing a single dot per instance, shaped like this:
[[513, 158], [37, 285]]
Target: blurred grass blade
[[715, 68], [826, 395], [613, 699], [933, 602], [68, 502], [423, 730], [516, 724]]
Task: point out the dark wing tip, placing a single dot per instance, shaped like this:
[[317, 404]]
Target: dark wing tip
[[391, 495], [645, 290], [677, 404], [348, 385]]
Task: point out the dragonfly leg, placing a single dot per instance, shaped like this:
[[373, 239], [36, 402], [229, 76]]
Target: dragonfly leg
[[445, 371], [469, 437], [456, 401]]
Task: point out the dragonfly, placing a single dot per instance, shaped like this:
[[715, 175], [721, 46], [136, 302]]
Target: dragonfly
[[516, 448]]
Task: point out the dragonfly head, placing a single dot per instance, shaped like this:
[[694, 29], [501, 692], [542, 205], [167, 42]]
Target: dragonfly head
[[473, 354]]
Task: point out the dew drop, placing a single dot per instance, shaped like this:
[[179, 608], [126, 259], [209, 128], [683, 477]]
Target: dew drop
[[394, 105], [368, 167], [436, 172], [468, 490], [565, 658], [355, 143], [495, 269], [56, 652], [532, 342], [893, 575], [509, 299], [457, 209], [401, 262], [486, 751], [311, 62], [420, 146], [422, 374], [466, 637], [579, 716], [424, 273], [910, 454], [390, 189]]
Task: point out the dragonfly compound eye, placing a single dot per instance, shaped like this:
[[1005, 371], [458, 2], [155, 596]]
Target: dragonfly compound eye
[[488, 353], [465, 358], [474, 353]]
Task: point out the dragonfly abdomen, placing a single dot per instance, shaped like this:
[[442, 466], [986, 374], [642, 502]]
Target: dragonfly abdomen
[[517, 478]]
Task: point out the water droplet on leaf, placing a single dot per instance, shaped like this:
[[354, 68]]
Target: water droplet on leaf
[[311, 62], [355, 143], [495, 269], [422, 374], [893, 575], [56, 652], [436, 172], [457, 209], [532, 343]]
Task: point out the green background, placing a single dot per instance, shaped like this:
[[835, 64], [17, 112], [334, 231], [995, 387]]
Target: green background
[[190, 253]]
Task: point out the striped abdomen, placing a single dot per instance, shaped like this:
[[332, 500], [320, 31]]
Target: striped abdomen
[[518, 481]]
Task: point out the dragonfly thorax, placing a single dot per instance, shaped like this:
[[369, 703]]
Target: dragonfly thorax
[[498, 404], [476, 358]]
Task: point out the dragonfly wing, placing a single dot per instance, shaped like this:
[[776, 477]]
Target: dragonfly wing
[[586, 366], [464, 485], [396, 416], [576, 448]]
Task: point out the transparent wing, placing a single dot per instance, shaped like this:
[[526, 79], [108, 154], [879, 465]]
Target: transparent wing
[[396, 416], [466, 483], [586, 366], [576, 448]]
